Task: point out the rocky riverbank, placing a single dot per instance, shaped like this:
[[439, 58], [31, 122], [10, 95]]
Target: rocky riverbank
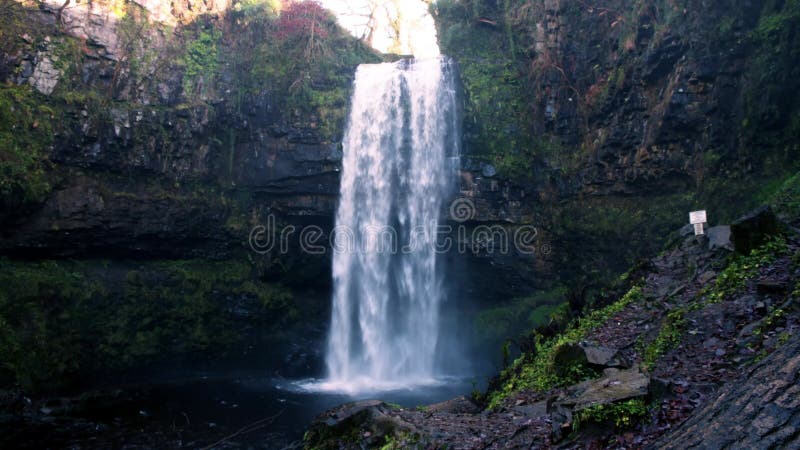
[[706, 329]]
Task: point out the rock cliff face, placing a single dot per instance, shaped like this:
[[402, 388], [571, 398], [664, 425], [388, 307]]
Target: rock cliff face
[[574, 116], [603, 123], [758, 411], [625, 98], [149, 158]]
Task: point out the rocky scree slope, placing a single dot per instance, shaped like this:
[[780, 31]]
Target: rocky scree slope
[[701, 351]]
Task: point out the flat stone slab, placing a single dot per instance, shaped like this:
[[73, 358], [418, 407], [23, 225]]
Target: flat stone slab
[[538, 409], [458, 405], [603, 356], [719, 237], [588, 352], [613, 386]]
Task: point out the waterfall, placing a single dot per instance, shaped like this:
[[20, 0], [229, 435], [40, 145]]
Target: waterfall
[[400, 160]]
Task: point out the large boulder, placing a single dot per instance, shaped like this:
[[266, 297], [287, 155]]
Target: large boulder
[[458, 405], [365, 422], [583, 353], [719, 237], [603, 356], [615, 385], [754, 229]]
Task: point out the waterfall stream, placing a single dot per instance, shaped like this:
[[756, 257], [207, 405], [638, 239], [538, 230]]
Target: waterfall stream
[[400, 160]]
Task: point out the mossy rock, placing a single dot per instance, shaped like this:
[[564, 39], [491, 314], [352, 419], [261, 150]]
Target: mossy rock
[[364, 424], [751, 231]]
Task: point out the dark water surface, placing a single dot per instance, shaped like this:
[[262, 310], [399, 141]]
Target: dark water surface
[[245, 411]]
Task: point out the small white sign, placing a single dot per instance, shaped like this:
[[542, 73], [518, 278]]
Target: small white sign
[[697, 217]]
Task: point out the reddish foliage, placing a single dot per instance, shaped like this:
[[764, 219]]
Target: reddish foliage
[[303, 18], [630, 45], [593, 93]]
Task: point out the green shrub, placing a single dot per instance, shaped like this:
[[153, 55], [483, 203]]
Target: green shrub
[[201, 60], [44, 320], [622, 414], [25, 136], [257, 10], [669, 336]]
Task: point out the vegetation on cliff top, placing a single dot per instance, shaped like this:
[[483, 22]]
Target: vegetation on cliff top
[[303, 58], [303, 64]]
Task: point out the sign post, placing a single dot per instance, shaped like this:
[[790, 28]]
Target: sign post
[[697, 218]]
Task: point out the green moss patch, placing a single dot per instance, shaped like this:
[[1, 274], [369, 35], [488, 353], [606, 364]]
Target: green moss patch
[[539, 372], [519, 315], [622, 414], [60, 320]]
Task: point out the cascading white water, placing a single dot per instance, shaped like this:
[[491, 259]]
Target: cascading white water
[[400, 156]]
